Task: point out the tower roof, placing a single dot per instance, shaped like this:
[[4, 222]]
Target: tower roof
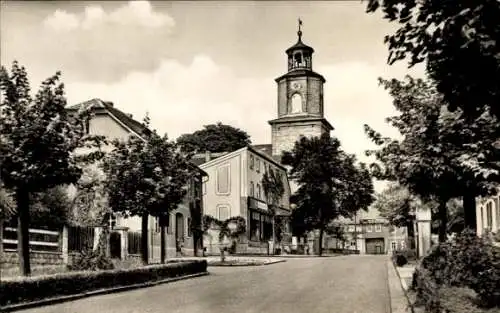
[[299, 45]]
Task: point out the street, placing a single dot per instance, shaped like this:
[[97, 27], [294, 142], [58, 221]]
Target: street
[[345, 284]]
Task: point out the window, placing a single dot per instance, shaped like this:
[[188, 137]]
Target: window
[[351, 228], [251, 189], [204, 188], [296, 103], [393, 245], [254, 226], [257, 165], [369, 228], [403, 244], [223, 179], [190, 231], [258, 192], [251, 161], [378, 228], [223, 212], [353, 243]]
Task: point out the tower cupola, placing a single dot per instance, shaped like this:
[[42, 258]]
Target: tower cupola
[[300, 54]]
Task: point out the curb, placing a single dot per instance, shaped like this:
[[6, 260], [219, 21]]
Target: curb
[[247, 265], [399, 300], [61, 299]]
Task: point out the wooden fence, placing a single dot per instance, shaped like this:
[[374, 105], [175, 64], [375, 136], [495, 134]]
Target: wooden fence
[[80, 238], [40, 240]]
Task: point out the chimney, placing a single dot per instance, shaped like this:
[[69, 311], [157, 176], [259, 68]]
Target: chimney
[[131, 116], [207, 156]]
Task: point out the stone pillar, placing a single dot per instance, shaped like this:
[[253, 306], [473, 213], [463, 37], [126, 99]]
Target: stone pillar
[[494, 222], [97, 234], [423, 219], [479, 220], [64, 245]]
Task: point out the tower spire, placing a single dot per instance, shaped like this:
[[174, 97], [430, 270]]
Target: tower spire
[[299, 33]]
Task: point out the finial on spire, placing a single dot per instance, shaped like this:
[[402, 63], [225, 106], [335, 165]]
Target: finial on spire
[[299, 33]]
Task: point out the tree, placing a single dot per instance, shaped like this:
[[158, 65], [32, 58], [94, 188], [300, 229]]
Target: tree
[[38, 139], [330, 185], [273, 187], [337, 231], [146, 177], [214, 138], [457, 40], [441, 155], [230, 229], [398, 206]]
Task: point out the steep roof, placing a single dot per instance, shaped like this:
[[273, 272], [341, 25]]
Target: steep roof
[[126, 119], [136, 127], [264, 148]]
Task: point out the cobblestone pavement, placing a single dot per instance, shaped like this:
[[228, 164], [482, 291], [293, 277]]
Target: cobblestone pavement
[[345, 284]]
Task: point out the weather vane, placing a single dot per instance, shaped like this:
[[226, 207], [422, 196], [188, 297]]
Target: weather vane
[[300, 31]]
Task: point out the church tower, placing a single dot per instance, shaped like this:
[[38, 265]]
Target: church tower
[[300, 100]]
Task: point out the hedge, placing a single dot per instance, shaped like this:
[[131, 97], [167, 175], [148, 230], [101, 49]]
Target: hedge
[[43, 287]]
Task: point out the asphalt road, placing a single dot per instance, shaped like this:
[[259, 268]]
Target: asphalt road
[[346, 284]]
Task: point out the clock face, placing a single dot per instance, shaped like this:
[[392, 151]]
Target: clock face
[[296, 86]]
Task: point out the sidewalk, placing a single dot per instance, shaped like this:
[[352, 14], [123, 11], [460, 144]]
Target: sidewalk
[[399, 279]]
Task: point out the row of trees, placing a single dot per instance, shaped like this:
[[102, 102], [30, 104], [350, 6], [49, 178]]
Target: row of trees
[[43, 146], [449, 122]]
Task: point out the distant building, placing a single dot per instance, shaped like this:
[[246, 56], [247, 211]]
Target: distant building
[[234, 188], [369, 234], [108, 121], [488, 215]]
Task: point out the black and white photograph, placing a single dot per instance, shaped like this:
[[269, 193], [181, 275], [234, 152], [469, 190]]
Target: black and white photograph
[[287, 156]]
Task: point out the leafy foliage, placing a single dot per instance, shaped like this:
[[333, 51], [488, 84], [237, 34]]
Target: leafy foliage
[[441, 155], [466, 261], [457, 40], [330, 184], [89, 205], [274, 189], [230, 229], [214, 138], [38, 135], [38, 141], [146, 176]]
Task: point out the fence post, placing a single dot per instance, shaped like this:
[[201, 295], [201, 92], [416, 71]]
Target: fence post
[[64, 249]]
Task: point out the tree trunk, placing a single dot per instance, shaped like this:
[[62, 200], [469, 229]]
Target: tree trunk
[[443, 220], [23, 240], [469, 203], [273, 224], [320, 246], [163, 244], [411, 233], [144, 239]]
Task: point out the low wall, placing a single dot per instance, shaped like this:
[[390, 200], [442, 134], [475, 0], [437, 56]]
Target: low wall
[[10, 258]]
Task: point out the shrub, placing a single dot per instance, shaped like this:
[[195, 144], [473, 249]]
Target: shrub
[[399, 259], [466, 261], [42, 287], [427, 291], [90, 260], [460, 300]]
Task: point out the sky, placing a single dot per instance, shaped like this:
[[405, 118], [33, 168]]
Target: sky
[[190, 64]]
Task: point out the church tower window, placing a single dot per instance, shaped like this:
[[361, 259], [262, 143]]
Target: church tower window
[[296, 103]]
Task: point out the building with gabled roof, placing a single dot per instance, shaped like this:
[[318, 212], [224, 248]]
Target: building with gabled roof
[[108, 121]]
